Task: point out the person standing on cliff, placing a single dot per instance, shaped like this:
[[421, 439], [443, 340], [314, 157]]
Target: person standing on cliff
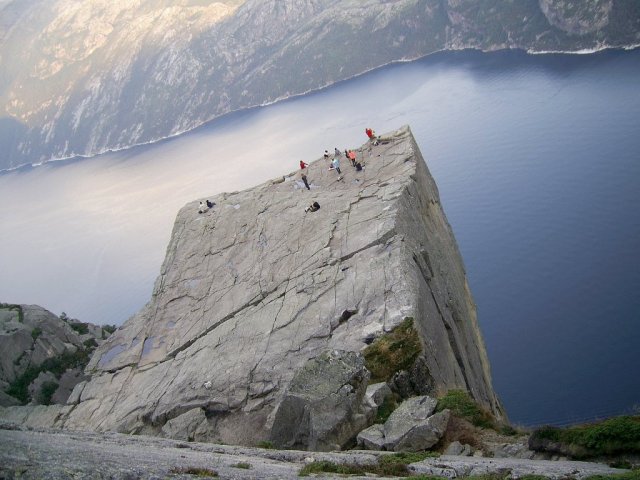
[[303, 177], [336, 165]]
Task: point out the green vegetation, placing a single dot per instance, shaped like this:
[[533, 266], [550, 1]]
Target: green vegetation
[[197, 471], [388, 465], [386, 409], [57, 365], [109, 329], [81, 328], [463, 406], [90, 344], [266, 444], [632, 475], [392, 352], [46, 392], [610, 437], [35, 333], [243, 465], [13, 306]]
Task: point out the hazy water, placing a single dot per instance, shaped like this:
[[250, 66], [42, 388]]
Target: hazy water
[[538, 164]]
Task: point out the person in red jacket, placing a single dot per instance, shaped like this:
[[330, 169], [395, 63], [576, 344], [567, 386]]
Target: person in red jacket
[[303, 165]]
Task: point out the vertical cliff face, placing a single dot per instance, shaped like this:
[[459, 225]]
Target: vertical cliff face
[[255, 287]]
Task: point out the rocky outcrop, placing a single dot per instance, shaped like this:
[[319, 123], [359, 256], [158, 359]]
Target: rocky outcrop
[[323, 407], [412, 427], [42, 357], [586, 18], [255, 288]]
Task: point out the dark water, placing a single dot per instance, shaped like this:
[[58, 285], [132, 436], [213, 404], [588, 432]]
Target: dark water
[[538, 163]]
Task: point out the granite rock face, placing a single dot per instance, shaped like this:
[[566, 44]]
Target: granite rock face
[[255, 287], [323, 408]]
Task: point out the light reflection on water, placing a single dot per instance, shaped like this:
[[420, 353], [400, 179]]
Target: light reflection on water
[[537, 162]]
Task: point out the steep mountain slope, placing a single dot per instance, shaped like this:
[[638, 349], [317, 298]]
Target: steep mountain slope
[[79, 78]]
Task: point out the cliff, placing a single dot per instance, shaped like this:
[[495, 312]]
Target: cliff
[[256, 292]]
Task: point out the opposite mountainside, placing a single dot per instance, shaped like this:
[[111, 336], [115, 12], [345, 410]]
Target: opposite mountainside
[[80, 78], [260, 305]]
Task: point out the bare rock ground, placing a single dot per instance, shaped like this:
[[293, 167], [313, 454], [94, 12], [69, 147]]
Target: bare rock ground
[[52, 454]]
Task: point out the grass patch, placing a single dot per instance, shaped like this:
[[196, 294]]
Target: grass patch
[[46, 392], [266, 444], [632, 475], [197, 471], [613, 436], [394, 465], [243, 465], [463, 406], [13, 306], [386, 409], [35, 333], [330, 467], [392, 352]]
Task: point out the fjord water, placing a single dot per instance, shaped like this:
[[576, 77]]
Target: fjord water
[[537, 159]]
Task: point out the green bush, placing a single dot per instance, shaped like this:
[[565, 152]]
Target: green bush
[[56, 365], [610, 437], [243, 465], [463, 406], [392, 352], [386, 409], [46, 392], [35, 333], [81, 328]]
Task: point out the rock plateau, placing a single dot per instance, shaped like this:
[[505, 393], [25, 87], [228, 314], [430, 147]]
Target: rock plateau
[[255, 292]]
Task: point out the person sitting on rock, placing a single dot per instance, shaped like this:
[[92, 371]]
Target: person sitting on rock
[[303, 165], [210, 204], [314, 207], [326, 154], [202, 207], [358, 166]]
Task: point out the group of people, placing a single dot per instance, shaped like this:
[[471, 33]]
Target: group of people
[[335, 165]]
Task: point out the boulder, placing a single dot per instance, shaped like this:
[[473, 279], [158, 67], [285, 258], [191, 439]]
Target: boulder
[[409, 414], [324, 406], [459, 449], [189, 426], [377, 393], [372, 438]]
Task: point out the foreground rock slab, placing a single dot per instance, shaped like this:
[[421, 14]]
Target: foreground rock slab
[[62, 455], [459, 466]]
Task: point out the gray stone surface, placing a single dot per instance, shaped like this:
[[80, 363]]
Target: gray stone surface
[[64, 455], [191, 425], [457, 448], [255, 287], [409, 414], [377, 393], [372, 438], [324, 407], [31, 335], [453, 467]]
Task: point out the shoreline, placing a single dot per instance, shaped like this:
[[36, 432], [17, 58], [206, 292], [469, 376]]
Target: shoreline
[[80, 157]]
